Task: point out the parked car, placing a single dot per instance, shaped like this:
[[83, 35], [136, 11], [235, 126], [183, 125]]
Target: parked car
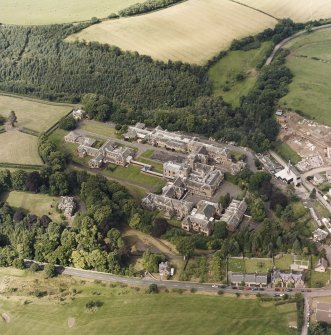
[[261, 289], [214, 286], [254, 289]]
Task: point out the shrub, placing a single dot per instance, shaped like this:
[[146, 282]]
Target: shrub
[[18, 263], [68, 123], [152, 289], [93, 304], [50, 270]]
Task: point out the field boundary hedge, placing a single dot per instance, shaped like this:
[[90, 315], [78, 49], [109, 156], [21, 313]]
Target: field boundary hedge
[[20, 166]]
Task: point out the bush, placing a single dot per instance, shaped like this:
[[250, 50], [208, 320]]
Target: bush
[[152, 289], [93, 304], [18, 263], [50, 270]]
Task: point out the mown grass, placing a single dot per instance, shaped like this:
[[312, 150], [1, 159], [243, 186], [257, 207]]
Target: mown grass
[[19, 148], [223, 74], [134, 175], [283, 262], [101, 128], [127, 311], [310, 62], [250, 265], [36, 115], [38, 204]]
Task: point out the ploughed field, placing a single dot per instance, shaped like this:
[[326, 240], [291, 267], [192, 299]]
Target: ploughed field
[[297, 10], [310, 62], [193, 31], [60, 11]]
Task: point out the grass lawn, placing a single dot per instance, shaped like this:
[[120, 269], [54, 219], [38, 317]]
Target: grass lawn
[[236, 265], [60, 11], [223, 74], [192, 31], [133, 174], [283, 262], [310, 90], [101, 128], [319, 279], [258, 265], [287, 153], [19, 148], [128, 311], [38, 204], [32, 114]]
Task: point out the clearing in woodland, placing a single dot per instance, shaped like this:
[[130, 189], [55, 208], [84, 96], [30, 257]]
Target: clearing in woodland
[[130, 310], [299, 11], [36, 115], [193, 31], [29, 12], [37, 204], [310, 62]]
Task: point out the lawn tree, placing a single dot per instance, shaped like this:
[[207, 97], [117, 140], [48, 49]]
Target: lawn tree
[[185, 246], [12, 118]]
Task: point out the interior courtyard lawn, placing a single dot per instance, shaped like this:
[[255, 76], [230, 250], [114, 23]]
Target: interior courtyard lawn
[[19, 148], [134, 175], [38, 204], [100, 128], [224, 74], [127, 311], [310, 63], [36, 115]]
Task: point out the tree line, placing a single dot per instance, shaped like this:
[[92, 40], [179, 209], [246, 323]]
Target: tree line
[[147, 6]]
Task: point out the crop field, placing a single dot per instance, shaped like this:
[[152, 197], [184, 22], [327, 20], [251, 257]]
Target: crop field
[[60, 11], [38, 204], [19, 148], [224, 74], [62, 310], [192, 31], [310, 62], [300, 11], [36, 115]]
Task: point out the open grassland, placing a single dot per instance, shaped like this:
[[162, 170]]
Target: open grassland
[[32, 114], [127, 310], [19, 148], [300, 11], [310, 62], [38, 204], [224, 74], [192, 31], [60, 11]]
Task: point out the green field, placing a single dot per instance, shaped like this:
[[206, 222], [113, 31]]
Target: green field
[[130, 311], [33, 114], [38, 204], [283, 262], [133, 174], [101, 128], [250, 265], [223, 74], [287, 153], [59, 11], [19, 148], [310, 62]]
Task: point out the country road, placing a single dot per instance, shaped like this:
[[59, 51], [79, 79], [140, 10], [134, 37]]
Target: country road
[[286, 40]]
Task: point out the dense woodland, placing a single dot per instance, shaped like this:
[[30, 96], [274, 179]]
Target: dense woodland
[[36, 61]]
